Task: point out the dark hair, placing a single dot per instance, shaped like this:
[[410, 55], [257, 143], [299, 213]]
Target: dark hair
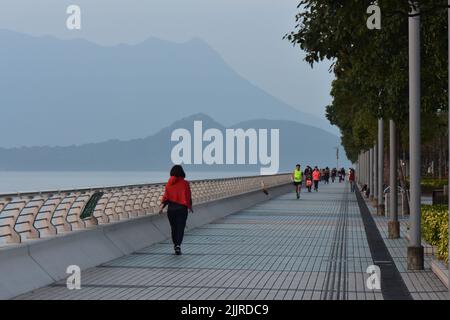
[[177, 171], [298, 165]]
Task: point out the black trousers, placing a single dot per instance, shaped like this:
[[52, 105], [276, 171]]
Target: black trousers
[[316, 185], [177, 217]]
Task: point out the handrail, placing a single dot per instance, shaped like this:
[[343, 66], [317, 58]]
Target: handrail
[[33, 215], [387, 194], [388, 189], [98, 188]]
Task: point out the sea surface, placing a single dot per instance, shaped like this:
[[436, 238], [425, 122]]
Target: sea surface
[[29, 181]]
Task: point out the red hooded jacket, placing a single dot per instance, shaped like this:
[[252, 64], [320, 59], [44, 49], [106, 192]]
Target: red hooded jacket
[[178, 191], [316, 175]]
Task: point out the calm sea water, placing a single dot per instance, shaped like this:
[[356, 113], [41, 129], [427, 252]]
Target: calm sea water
[[12, 182]]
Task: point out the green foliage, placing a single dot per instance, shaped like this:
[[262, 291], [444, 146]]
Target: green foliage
[[434, 183], [428, 185], [435, 228], [371, 66]]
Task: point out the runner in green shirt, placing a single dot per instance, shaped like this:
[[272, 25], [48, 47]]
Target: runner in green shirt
[[297, 176]]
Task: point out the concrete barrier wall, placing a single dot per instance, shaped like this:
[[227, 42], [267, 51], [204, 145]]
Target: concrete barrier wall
[[41, 262]]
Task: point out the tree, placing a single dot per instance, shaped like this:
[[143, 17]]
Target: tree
[[371, 66]]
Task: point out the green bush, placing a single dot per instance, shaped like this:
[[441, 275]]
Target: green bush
[[428, 185], [435, 228], [434, 183], [442, 248]]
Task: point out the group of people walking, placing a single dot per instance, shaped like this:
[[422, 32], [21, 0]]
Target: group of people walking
[[312, 177], [177, 195]]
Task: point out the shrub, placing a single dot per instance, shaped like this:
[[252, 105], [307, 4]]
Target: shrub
[[429, 184], [435, 228], [442, 248]]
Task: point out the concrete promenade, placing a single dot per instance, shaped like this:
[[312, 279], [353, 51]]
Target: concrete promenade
[[312, 248]]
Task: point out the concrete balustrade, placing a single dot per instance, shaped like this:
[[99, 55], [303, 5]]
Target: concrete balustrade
[[28, 216], [43, 233]]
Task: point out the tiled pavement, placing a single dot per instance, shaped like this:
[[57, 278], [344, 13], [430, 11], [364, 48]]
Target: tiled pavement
[[423, 285], [312, 248]]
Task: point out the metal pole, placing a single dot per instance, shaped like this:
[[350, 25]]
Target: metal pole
[[381, 166], [367, 169], [337, 157], [415, 256], [363, 169], [357, 171], [393, 224], [359, 167], [449, 133], [375, 175], [371, 173]]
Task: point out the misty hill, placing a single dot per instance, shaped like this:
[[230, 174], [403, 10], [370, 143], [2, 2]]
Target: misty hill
[[62, 92], [298, 144]]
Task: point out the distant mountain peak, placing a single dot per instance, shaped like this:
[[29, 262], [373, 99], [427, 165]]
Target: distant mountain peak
[[123, 92]]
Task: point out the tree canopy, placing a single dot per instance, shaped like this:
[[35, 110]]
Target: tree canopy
[[371, 66]]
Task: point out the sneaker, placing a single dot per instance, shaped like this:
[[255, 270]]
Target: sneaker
[[177, 250]]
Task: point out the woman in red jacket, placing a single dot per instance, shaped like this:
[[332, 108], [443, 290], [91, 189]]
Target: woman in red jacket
[[178, 197]]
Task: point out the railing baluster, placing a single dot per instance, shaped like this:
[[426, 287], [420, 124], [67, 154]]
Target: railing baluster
[[35, 215]]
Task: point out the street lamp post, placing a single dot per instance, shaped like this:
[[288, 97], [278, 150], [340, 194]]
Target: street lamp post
[[449, 131], [393, 224], [368, 172], [375, 176], [380, 207], [371, 174], [415, 255], [337, 158]]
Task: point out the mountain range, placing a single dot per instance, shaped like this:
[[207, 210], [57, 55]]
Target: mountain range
[[62, 92], [298, 143]]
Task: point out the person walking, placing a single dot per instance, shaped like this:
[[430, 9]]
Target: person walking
[[316, 178], [327, 175], [342, 175], [351, 179], [177, 197], [297, 176], [333, 174], [308, 177]]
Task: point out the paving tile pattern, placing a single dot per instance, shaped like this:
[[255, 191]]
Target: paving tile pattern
[[314, 248], [424, 284]]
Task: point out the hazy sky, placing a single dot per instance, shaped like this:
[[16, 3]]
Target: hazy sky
[[246, 33]]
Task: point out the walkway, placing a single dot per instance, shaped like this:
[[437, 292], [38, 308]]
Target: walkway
[[423, 285], [313, 248]]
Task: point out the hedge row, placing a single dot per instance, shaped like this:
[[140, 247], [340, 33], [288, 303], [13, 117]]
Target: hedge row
[[435, 228]]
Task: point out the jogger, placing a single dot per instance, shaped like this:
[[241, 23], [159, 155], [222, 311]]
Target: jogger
[[297, 176]]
